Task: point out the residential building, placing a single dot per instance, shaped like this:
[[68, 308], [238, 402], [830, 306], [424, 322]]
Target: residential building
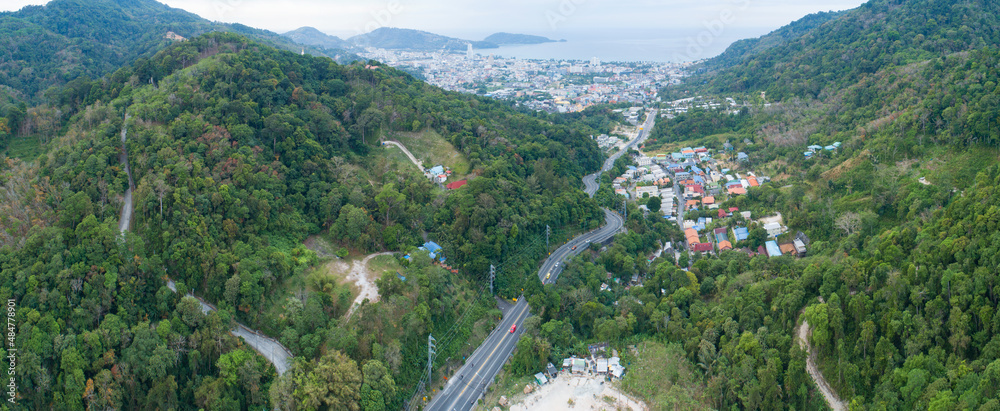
[[773, 229], [740, 233]]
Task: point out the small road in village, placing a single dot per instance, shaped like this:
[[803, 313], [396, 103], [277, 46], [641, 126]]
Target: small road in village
[[271, 349], [470, 382]]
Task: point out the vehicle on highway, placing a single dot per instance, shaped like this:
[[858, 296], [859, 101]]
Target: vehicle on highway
[[574, 247], [548, 275], [513, 328]]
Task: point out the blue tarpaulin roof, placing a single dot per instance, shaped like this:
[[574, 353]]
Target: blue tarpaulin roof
[[432, 246], [772, 249]]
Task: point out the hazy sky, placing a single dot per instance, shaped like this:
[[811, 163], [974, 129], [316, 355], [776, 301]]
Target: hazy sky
[[471, 19]]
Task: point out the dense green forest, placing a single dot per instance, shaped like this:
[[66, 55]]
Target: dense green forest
[[50, 45], [900, 282], [239, 151]]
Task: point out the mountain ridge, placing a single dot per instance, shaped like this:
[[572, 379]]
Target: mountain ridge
[[394, 38], [52, 44], [313, 37]]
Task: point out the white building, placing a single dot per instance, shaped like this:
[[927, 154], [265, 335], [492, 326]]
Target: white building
[[653, 191], [773, 229]]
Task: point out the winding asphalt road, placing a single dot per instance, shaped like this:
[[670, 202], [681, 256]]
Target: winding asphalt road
[[475, 376]]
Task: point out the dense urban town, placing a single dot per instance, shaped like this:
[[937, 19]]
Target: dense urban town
[[550, 85]]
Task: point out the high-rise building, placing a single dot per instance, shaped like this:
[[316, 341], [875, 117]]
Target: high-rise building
[[468, 51], [594, 61]]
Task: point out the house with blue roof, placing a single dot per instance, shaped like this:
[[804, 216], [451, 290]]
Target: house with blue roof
[[830, 148], [741, 156], [741, 233], [815, 147], [433, 249], [677, 156], [772, 249], [808, 154]]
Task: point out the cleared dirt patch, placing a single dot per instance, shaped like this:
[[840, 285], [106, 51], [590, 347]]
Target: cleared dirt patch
[[364, 280], [568, 392]]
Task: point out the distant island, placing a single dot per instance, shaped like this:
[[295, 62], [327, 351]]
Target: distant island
[[512, 38], [415, 40]]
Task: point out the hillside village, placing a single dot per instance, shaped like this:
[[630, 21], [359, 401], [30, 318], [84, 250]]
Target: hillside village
[[694, 189]]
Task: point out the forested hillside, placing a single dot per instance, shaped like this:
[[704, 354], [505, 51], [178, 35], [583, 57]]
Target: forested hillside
[[239, 151], [827, 51], [50, 45], [900, 281]]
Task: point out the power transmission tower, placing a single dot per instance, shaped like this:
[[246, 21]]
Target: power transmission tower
[[493, 276], [430, 356], [548, 231]]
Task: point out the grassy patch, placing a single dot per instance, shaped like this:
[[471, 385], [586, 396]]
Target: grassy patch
[[432, 149], [384, 264], [25, 148], [397, 155], [663, 377]]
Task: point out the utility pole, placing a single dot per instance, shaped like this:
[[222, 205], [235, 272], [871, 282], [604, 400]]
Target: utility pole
[[625, 209], [493, 276], [430, 356], [548, 231]]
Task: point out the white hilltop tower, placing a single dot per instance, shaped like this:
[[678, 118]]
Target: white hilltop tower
[[303, 51]]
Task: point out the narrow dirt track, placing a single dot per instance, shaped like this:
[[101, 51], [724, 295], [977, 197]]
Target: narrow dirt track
[[824, 387], [416, 162], [362, 277], [270, 348]]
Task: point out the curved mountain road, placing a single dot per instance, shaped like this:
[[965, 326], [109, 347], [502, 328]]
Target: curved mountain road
[[471, 380], [271, 349]]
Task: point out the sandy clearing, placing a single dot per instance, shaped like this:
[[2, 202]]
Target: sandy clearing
[[587, 393], [362, 278]]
